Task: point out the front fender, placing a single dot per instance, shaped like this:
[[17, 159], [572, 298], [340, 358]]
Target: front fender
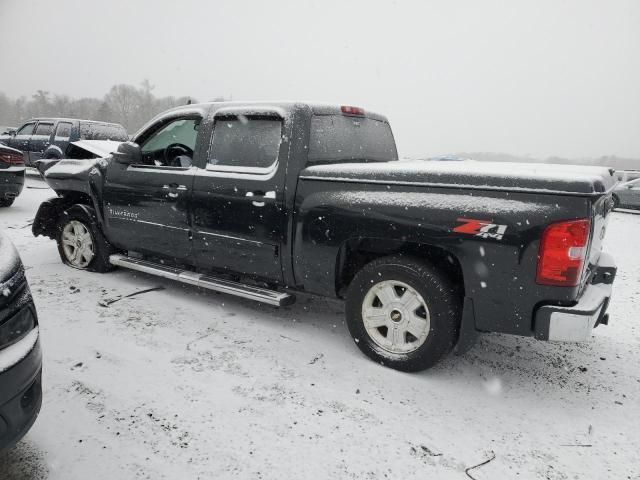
[[79, 179], [46, 218]]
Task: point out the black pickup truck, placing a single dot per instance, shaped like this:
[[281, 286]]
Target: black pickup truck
[[263, 200]]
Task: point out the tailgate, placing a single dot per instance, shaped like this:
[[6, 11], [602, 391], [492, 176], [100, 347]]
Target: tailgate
[[601, 211]]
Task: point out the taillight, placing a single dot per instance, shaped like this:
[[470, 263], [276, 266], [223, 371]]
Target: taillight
[[353, 111], [563, 250], [12, 158]]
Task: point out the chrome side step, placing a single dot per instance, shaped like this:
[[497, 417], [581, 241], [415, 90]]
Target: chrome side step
[[251, 292]]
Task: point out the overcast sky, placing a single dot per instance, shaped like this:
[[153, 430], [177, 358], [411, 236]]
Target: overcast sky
[[539, 77]]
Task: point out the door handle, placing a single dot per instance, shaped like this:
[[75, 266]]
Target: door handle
[[174, 190], [174, 186], [260, 196]]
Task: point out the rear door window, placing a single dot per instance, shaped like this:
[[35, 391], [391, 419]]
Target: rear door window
[[336, 138], [245, 143], [63, 131], [44, 129]]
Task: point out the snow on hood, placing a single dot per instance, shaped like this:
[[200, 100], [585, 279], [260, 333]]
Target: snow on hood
[[12, 354], [9, 259], [101, 148]]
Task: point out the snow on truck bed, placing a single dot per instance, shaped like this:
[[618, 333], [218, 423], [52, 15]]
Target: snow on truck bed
[[546, 178]]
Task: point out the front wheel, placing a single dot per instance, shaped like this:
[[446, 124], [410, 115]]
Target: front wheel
[[81, 244], [403, 313]]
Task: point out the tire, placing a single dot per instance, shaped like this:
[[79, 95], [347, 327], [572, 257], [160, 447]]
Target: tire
[[6, 202], [78, 231], [399, 335]]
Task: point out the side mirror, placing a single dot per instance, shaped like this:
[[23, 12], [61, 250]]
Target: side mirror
[[10, 131], [128, 153]]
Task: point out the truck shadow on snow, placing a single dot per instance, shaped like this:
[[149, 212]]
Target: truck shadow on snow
[[25, 461], [500, 361], [529, 363]]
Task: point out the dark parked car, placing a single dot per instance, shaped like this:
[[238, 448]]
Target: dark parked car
[[11, 175], [261, 200], [627, 195], [49, 138], [20, 354]]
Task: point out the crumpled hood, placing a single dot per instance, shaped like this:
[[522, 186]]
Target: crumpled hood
[[101, 148]]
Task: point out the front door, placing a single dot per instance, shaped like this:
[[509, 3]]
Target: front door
[[238, 196], [21, 139], [39, 141], [147, 204]]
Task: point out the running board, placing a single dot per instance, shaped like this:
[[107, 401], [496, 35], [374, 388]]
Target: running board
[[251, 292]]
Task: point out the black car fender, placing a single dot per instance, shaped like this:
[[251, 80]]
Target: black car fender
[[46, 220]]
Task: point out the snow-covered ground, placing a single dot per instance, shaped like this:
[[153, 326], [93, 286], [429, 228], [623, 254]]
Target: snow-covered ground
[[183, 384]]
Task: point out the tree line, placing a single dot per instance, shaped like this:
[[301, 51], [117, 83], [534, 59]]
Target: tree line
[[130, 105]]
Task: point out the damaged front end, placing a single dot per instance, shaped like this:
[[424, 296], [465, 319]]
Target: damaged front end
[[75, 182]]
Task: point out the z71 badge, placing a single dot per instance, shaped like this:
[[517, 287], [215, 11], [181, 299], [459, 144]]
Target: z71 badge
[[481, 228]]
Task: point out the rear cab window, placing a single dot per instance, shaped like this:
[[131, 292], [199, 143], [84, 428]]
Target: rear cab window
[[245, 143], [344, 138]]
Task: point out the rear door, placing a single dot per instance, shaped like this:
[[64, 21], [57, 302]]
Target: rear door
[[62, 136], [238, 195], [40, 140], [147, 205]]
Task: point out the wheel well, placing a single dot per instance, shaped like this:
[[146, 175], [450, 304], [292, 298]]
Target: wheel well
[[355, 254], [47, 217], [72, 198]]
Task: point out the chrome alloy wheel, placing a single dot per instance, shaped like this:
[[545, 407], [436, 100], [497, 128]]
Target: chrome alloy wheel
[[77, 244], [396, 317]]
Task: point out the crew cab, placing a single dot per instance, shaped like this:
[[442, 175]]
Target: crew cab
[[264, 200], [49, 138]]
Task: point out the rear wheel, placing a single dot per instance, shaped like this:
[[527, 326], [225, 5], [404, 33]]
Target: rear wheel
[[6, 202], [81, 244], [403, 313]]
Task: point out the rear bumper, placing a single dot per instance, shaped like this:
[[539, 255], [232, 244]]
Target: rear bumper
[[575, 323], [20, 390]]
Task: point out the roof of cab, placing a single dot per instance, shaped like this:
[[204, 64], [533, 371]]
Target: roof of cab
[[317, 108], [63, 119]]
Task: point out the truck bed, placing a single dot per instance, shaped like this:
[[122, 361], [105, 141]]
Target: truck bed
[[469, 174]]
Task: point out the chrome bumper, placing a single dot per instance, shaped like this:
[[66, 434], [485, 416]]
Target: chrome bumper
[[575, 323]]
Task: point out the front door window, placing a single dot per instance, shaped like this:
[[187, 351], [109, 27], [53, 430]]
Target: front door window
[[172, 145]]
